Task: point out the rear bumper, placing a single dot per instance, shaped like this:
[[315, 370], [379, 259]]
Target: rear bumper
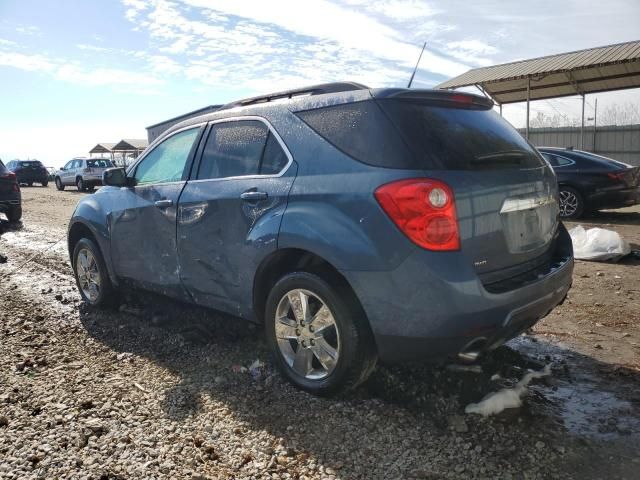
[[614, 198], [9, 202], [434, 305], [92, 179], [32, 177]]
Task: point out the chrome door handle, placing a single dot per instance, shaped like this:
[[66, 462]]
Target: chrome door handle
[[163, 203], [253, 196]]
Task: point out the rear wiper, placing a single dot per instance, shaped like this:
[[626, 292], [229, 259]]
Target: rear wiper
[[500, 155]]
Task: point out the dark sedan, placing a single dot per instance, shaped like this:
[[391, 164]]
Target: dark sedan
[[590, 182], [10, 200], [29, 172]]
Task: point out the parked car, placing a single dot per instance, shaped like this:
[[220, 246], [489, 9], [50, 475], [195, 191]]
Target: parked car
[[10, 200], [590, 182], [51, 171], [29, 172], [356, 224], [84, 173]]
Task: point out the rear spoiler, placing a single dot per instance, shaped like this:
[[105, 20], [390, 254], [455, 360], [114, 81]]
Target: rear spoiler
[[442, 97]]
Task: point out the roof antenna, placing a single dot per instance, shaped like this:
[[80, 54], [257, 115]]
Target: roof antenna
[[417, 63]]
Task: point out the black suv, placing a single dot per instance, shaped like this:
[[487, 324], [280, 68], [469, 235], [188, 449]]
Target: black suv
[[10, 201], [29, 172]]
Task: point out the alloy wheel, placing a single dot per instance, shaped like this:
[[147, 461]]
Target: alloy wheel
[[568, 203], [88, 274], [307, 334]]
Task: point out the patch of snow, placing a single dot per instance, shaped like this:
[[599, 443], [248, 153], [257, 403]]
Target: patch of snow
[[496, 402]]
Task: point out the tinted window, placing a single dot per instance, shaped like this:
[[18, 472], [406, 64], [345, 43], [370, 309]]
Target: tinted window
[[460, 138], [233, 149], [274, 159], [99, 163], [361, 130], [411, 134], [31, 164], [591, 160], [167, 161]]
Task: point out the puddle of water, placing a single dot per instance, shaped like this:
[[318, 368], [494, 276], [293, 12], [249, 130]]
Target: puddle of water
[[586, 404], [585, 410]]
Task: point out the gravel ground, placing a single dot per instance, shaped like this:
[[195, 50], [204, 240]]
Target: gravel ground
[[161, 390]]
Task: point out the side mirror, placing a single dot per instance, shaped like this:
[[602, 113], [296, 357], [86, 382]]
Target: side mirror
[[115, 177], [61, 169]]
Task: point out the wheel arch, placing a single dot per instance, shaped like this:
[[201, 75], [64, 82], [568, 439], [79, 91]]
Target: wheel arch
[[79, 229], [288, 260]]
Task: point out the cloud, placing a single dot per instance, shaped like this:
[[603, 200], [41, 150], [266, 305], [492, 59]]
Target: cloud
[[268, 45], [32, 63], [80, 74], [471, 51]]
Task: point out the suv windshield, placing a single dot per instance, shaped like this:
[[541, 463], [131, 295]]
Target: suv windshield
[[99, 163]]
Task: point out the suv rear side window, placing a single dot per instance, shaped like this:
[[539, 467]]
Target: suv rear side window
[[241, 148], [362, 131], [405, 134]]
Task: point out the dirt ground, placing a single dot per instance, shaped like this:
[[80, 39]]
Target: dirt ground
[[158, 389]]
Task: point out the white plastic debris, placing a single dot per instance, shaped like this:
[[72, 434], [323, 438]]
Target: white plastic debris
[[496, 402], [598, 244]]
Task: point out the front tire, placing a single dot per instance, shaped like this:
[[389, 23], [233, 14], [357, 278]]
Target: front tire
[[59, 184], [320, 339], [571, 203], [14, 214], [91, 275]]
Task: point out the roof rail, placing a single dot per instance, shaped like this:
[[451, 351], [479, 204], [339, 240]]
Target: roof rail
[[320, 89]]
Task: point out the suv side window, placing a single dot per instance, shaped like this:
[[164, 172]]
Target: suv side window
[[167, 161], [233, 149], [274, 159]]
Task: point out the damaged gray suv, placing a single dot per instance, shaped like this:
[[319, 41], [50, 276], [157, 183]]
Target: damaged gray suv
[[356, 224]]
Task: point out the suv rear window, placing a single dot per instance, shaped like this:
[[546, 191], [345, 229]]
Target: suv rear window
[[99, 163], [31, 164], [418, 135]]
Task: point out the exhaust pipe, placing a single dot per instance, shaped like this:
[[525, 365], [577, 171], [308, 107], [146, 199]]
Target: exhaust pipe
[[472, 350]]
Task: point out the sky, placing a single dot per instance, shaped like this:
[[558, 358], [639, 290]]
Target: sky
[[74, 72]]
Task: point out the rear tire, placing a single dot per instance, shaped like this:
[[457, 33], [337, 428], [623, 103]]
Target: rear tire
[[59, 184], [80, 184], [30, 184], [337, 354], [14, 214], [571, 203], [45, 183], [91, 275]]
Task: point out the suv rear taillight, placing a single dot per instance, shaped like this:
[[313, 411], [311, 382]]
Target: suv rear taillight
[[424, 210]]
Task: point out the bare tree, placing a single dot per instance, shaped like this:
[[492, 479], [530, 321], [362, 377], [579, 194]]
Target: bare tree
[[620, 114], [553, 121]]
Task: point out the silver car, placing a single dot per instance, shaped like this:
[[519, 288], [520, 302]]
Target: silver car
[[84, 173]]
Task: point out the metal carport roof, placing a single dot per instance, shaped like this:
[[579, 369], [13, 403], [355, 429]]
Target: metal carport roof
[[102, 147], [613, 67]]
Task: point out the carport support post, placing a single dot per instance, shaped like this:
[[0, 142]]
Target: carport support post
[[500, 109], [582, 127], [528, 99]]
